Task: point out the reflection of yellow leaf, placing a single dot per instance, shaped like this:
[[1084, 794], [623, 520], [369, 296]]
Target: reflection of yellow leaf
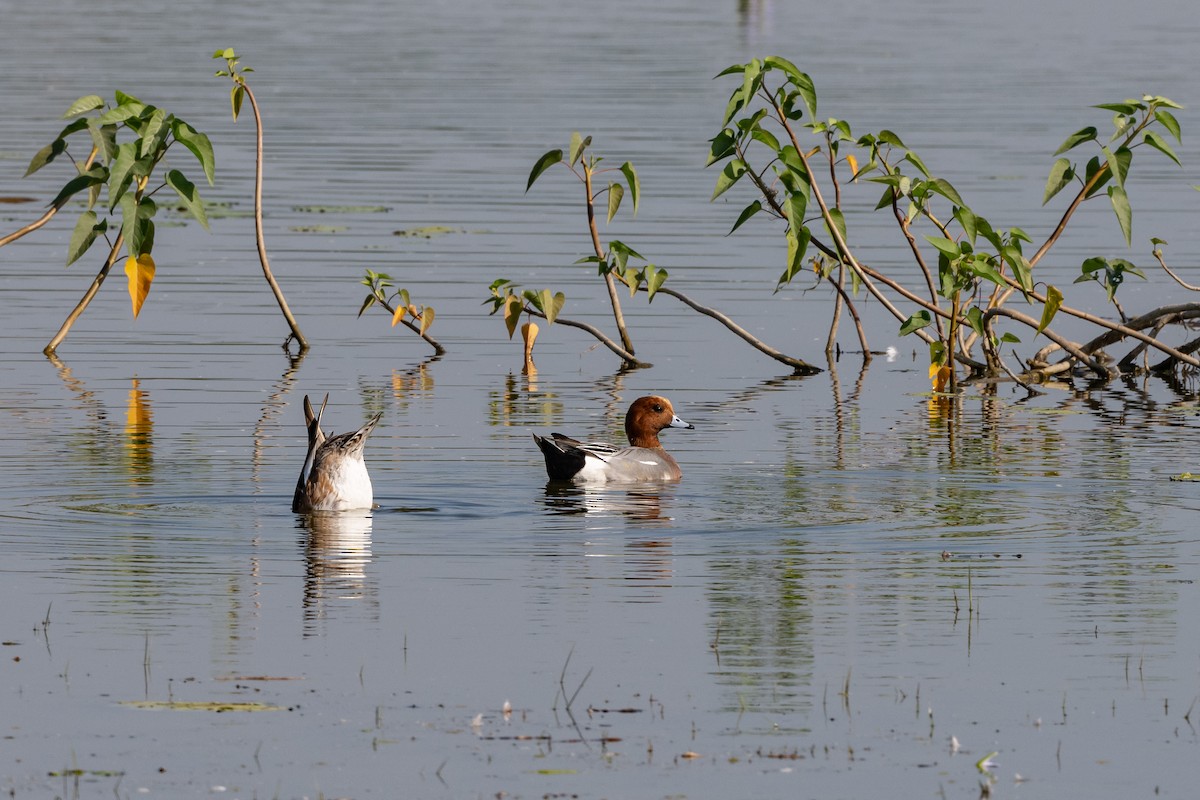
[[140, 272], [399, 315], [853, 163], [529, 332]]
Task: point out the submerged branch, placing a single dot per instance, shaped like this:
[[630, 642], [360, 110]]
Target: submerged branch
[[628, 357], [52, 347], [801, 366]]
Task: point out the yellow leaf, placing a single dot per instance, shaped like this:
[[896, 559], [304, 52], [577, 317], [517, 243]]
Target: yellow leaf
[[853, 162], [399, 315], [426, 318], [529, 332], [939, 374], [140, 272], [513, 308]]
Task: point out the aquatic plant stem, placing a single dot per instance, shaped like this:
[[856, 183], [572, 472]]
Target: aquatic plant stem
[[52, 347], [609, 282], [628, 357], [437, 347], [800, 366], [258, 224], [50, 212]]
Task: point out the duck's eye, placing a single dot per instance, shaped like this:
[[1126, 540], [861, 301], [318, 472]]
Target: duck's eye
[[658, 407]]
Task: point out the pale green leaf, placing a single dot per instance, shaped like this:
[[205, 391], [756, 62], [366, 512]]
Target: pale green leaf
[[615, 193], [635, 185], [1120, 204], [1054, 299], [1061, 174]]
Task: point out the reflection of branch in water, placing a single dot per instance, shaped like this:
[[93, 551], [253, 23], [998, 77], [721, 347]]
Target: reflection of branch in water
[[337, 551], [88, 403], [562, 691], [413, 381], [271, 409]]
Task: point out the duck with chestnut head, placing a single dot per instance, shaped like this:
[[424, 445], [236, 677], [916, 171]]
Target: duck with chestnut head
[[644, 460]]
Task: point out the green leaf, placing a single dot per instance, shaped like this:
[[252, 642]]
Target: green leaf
[[44, 156], [729, 176], [199, 145], [748, 212], [733, 106], [1075, 139], [1094, 166], [136, 224], [122, 113], [1159, 143], [120, 175], [615, 192], [839, 220], [1010, 337], [732, 70], [722, 146], [888, 137], [654, 278], [635, 185], [104, 139], [92, 177], [236, 94], [1120, 204], [948, 247], [1061, 174], [367, 303], [797, 240], [974, 318], [89, 102], [808, 92], [917, 321], [1020, 266], [1054, 299], [983, 268], [86, 230], [967, 219], [916, 161], [1168, 121], [767, 138], [153, 133], [943, 187], [553, 305], [1118, 163], [544, 163], [1127, 108], [787, 67], [751, 80], [188, 194]]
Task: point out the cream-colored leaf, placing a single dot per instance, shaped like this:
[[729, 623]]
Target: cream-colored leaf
[[398, 315]]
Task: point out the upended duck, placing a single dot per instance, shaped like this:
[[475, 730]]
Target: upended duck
[[334, 477], [643, 460]]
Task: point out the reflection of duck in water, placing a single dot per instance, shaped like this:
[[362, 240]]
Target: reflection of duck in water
[[337, 551], [334, 477], [597, 462]]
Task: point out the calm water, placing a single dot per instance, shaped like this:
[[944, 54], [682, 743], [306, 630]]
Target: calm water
[[852, 593]]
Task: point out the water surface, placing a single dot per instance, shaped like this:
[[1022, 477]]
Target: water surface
[[854, 591]]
